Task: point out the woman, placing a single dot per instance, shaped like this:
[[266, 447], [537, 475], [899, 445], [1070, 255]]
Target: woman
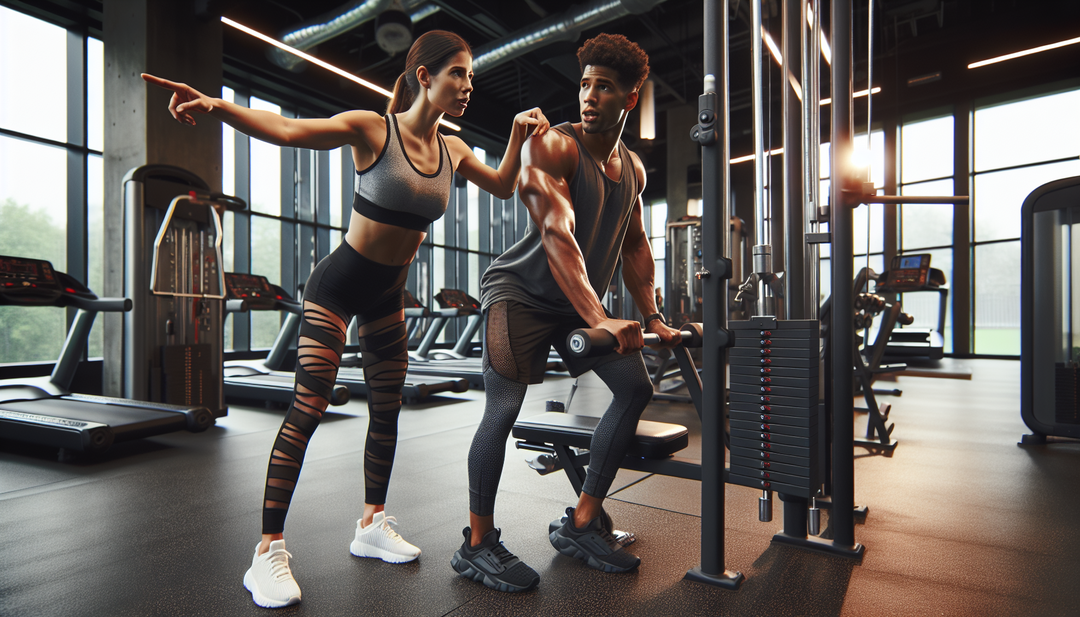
[[406, 172]]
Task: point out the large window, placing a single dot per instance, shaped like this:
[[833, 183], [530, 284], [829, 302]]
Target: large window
[[1017, 147], [926, 168], [51, 189], [294, 217]]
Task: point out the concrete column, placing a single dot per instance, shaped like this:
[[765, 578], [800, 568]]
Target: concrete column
[[163, 38]]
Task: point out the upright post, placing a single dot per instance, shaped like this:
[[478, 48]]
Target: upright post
[[794, 226], [762, 252], [712, 133], [795, 297], [811, 81], [842, 517]]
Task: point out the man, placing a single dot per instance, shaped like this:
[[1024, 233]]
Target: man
[[582, 188]]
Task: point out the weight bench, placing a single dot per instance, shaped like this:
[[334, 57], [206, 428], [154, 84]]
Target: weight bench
[[563, 440]]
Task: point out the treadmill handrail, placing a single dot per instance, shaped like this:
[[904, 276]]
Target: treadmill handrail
[[100, 305]]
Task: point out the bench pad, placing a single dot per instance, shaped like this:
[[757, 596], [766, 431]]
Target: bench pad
[[653, 439]]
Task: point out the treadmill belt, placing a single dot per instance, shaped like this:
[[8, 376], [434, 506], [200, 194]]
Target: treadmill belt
[[125, 422]]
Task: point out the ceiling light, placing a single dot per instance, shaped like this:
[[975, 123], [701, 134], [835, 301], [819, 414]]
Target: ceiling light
[[922, 80], [647, 107], [1026, 52], [317, 62], [750, 157], [393, 31], [858, 94], [771, 44]]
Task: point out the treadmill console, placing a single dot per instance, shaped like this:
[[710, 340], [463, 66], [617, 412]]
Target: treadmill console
[[910, 273], [254, 288], [410, 300], [455, 298], [25, 281]]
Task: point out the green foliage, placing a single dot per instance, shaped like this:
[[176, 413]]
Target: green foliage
[[31, 334], [30, 232]]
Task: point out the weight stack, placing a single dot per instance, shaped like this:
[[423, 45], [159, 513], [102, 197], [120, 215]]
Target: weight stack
[[775, 440], [1066, 387]]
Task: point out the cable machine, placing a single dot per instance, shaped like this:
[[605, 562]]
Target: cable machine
[[786, 401]]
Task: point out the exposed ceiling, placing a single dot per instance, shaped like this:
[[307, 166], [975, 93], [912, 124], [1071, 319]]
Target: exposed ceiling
[[912, 39]]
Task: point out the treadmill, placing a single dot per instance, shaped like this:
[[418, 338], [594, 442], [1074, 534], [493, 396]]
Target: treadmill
[[271, 379], [455, 362], [453, 303], [254, 379], [43, 410], [910, 274]]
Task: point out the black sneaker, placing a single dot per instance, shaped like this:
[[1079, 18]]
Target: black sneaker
[[493, 565], [593, 544], [624, 538]]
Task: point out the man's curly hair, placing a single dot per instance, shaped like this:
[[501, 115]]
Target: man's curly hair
[[616, 52]]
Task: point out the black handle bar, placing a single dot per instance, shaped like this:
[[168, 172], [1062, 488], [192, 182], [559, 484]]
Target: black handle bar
[[593, 342]]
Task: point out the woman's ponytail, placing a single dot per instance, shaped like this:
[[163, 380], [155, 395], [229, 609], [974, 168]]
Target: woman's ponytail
[[403, 95]]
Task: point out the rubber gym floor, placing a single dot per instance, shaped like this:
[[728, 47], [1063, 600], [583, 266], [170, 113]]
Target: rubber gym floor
[[962, 521]]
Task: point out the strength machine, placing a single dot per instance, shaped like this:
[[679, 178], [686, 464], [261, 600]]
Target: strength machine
[[787, 401], [1049, 332], [173, 346]]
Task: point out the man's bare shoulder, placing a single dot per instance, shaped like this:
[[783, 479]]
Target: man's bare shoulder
[[554, 152], [639, 169]]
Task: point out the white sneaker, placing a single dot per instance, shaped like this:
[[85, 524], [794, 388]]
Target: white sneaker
[[378, 540], [269, 578]]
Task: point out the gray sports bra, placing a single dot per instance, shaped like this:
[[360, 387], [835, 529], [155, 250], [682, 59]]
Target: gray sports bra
[[393, 191]]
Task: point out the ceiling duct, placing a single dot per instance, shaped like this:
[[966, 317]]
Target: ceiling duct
[[565, 27], [339, 21]]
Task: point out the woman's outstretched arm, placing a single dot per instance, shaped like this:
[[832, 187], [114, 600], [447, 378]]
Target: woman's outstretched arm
[[318, 134]]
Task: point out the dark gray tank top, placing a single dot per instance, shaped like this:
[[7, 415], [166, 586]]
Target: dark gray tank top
[[602, 208]]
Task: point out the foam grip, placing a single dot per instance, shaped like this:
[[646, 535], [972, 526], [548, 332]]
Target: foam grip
[[590, 342], [693, 335], [339, 396], [199, 419]]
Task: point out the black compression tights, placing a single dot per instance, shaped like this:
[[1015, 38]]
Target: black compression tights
[[385, 359], [632, 390]]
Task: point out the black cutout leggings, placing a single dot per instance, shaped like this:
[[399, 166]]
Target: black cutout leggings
[[343, 285]]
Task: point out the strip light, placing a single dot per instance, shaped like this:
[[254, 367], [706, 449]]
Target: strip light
[[325, 65], [750, 157], [771, 44], [775, 51], [858, 94], [1026, 52]]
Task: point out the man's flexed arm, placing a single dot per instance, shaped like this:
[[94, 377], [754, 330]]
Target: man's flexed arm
[[547, 167]]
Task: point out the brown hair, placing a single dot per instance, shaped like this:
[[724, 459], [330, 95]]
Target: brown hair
[[616, 52], [433, 50]]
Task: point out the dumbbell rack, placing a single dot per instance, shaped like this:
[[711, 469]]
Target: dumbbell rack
[[776, 443]]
